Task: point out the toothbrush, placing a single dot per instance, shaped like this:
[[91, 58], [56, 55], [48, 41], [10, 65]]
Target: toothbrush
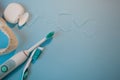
[[20, 58], [26, 69]]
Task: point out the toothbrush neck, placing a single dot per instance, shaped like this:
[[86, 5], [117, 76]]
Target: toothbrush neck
[[27, 53]]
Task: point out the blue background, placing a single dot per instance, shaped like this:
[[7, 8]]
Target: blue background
[[87, 43]]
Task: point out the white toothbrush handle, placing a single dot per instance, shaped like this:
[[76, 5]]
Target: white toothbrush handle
[[12, 63], [37, 44]]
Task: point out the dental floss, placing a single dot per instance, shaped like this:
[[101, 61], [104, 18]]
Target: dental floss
[[15, 13], [23, 19]]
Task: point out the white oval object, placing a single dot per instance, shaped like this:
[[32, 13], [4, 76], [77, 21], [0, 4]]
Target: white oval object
[[23, 19], [13, 11], [13, 42]]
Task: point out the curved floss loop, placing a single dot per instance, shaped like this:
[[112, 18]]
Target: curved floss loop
[[13, 42]]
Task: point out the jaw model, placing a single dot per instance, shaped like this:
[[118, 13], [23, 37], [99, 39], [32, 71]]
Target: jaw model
[[13, 42]]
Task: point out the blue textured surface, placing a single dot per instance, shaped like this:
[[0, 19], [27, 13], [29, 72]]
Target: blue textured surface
[[87, 46], [3, 39]]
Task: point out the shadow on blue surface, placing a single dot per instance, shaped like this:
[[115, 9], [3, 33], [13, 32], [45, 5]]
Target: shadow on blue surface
[[46, 42]]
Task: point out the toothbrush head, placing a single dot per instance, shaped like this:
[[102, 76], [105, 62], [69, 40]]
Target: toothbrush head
[[50, 35]]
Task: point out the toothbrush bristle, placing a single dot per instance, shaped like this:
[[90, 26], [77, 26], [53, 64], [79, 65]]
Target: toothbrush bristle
[[50, 35]]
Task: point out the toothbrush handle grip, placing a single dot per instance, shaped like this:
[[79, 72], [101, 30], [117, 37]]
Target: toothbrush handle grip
[[7, 67], [12, 63]]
